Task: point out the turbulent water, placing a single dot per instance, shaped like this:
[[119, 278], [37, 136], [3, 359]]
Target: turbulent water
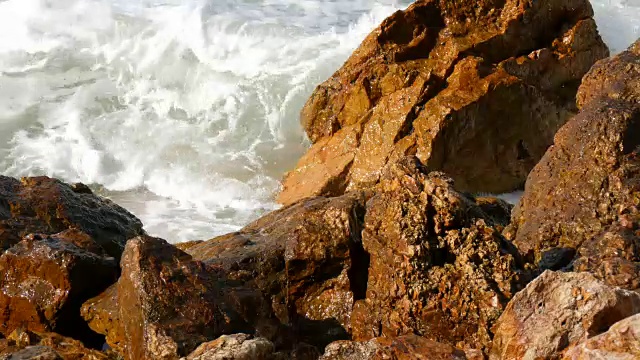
[[183, 111]]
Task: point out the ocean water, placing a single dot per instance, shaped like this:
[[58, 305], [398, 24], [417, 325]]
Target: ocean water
[[183, 111]]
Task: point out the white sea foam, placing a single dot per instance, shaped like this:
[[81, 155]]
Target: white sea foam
[[183, 111]]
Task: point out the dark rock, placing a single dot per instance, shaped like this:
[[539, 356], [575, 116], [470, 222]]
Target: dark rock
[[307, 261], [438, 266], [558, 310], [409, 347], [581, 204], [48, 206], [474, 88], [47, 278]]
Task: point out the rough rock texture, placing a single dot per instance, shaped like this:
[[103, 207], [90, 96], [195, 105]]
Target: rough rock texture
[[473, 88], [408, 347], [48, 206], [167, 303], [45, 280], [620, 342], [27, 345], [307, 261], [103, 316], [438, 267], [236, 347], [581, 205], [557, 310]]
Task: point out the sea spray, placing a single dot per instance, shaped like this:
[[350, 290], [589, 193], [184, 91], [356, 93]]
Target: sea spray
[[185, 112]]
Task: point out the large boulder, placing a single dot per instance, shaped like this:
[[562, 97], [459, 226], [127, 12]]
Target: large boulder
[[473, 88], [621, 342], [581, 206], [235, 347], [408, 347], [558, 310], [308, 262], [48, 206], [438, 266], [45, 280], [167, 303]]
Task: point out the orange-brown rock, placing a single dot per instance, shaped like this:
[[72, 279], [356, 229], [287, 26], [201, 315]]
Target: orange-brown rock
[[581, 206], [28, 345], [167, 303], [187, 244], [558, 310], [307, 261], [620, 342], [48, 206], [103, 316], [408, 347], [438, 267], [473, 88], [45, 280], [235, 347]]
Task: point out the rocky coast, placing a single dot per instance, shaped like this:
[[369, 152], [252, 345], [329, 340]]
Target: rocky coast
[[383, 248]]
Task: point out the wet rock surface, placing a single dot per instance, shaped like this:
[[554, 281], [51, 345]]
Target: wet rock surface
[[167, 304], [102, 314], [580, 209], [621, 341], [47, 278], [438, 266], [48, 206], [558, 310], [307, 261], [408, 347], [476, 89]]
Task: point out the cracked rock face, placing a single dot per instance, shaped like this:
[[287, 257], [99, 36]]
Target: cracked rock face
[[621, 342], [581, 206], [307, 261], [164, 305], [558, 310], [473, 88], [45, 280], [438, 266]]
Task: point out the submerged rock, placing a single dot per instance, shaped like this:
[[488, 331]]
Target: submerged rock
[[581, 206], [438, 266], [476, 89], [307, 261], [621, 342], [408, 347], [45, 280], [48, 206], [558, 310]]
